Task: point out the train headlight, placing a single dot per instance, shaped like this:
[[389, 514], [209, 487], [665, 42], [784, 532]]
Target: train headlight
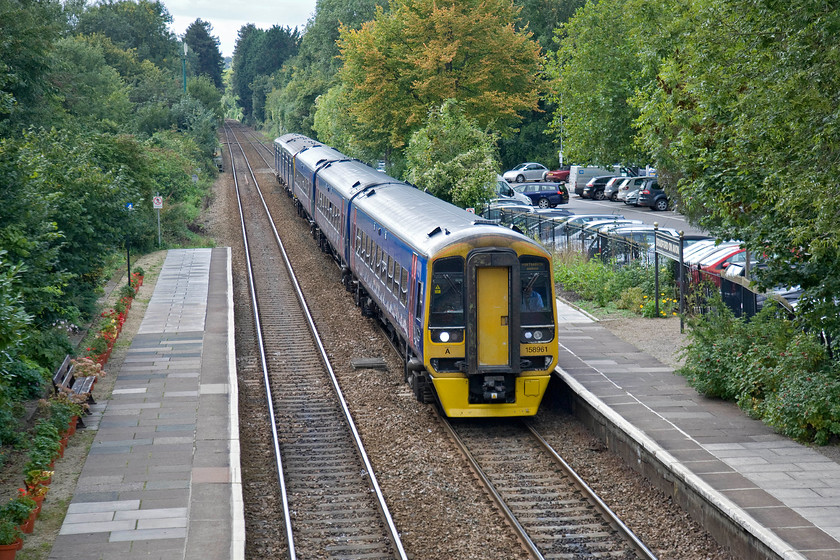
[[448, 336], [538, 335], [444, 336], [528, 335]]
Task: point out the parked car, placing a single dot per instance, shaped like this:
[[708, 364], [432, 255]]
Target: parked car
[[544, 195], [557, 176], [611, 188], [632, 198], [529, 171], [629, 185], [505, 192], [594, 188], [652, 196]]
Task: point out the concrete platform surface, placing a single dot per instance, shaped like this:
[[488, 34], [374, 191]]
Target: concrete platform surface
[[162, 478]]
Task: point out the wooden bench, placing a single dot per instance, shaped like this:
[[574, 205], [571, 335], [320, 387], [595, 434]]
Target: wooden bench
[[64, 378]]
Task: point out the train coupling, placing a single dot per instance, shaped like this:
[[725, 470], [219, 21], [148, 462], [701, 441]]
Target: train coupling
[[495, 388]]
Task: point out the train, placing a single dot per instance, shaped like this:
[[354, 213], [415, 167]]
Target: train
[[468, 303]]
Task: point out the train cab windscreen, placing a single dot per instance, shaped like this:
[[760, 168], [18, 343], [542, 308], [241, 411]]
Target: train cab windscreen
[[447, 297], [535, 275]]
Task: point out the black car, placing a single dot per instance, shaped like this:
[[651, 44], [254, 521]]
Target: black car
[[544, 195], [652, 196], [594, 188]]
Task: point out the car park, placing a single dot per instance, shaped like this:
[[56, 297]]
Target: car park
[[529, 171], [594, 188], [652, 196], [544, 195]]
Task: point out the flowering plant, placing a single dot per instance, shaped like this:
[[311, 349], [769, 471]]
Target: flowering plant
[[36, 491], [18, 509], [37, 477], [85, 367]]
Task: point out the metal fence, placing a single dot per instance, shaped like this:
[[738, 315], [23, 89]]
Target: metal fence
[[691, 284]]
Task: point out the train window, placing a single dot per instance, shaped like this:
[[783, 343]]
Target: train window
[[390, 268], [535, 275], [447, 305], [358, 242], [383, 266], [377, 259], [403, 286]]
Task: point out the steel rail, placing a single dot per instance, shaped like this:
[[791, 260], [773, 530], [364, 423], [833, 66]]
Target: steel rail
[[392, 530], [593, 498], [263, 360]]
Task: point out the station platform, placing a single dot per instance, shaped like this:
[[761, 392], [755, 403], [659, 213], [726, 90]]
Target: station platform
[[162, 477], [785, 495]]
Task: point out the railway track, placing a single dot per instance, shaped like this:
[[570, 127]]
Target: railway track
[[332, 504], [554, 512]]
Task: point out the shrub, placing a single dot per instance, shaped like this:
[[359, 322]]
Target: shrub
[[9, 531]]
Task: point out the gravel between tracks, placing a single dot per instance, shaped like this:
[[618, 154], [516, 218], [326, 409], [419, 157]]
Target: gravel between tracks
[[438, 506]]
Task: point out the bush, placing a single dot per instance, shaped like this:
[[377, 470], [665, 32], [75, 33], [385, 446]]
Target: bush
[[770, 368]]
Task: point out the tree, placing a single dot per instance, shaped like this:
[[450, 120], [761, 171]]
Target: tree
[[205, 51], [89, 89], [452, 158], [422, 52], [259, 53], [311, 73], [203, 90], [595, 73], [141, 25], [28, 29], [756, 149]]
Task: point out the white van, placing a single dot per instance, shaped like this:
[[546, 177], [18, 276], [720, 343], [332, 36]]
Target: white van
[[505, 192], [579, 175]]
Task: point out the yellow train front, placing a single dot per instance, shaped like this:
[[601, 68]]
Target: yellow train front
[[490, 328]]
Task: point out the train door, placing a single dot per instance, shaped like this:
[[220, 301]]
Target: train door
[[493, 321]]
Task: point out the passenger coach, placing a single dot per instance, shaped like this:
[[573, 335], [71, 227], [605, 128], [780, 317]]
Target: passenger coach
[[469, 303]]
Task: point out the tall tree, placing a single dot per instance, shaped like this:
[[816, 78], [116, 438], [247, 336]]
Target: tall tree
[[28, 28], [757, 149], [407, 61], [259, 53], [205, 51], [594, 74], [142, 25]]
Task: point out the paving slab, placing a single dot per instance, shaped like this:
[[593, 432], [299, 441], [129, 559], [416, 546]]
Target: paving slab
[[785, 494], [145, 481]]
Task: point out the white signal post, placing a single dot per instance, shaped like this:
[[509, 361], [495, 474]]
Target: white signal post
[[157, 203]]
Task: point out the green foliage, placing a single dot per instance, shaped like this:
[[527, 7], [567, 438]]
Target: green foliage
[[452, 158], [18, 509], [773, 370], [140, 25], [259, 53], [422, 52], [28, 30], [9, 531], [594, 74], [204, 51], [290, 106]]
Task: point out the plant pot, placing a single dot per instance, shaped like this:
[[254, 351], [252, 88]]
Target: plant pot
[[72, 426], [39, 501], [8, 551], [29, 525]]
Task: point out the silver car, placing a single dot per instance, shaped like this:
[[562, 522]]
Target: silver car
[[629, 185], [526, 172]]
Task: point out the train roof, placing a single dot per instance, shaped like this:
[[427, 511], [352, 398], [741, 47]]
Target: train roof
[[318, 155], [296, 142], [426, 222]]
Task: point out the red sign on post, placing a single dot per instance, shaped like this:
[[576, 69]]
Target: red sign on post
[[157, 201]]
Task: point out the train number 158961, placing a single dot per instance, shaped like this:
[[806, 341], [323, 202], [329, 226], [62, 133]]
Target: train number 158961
[[536, 349]]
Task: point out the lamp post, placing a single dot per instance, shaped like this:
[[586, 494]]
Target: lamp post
[[184, 67]]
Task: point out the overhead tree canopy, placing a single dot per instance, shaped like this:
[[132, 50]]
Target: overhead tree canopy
[[422, 52], [141, 25]]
